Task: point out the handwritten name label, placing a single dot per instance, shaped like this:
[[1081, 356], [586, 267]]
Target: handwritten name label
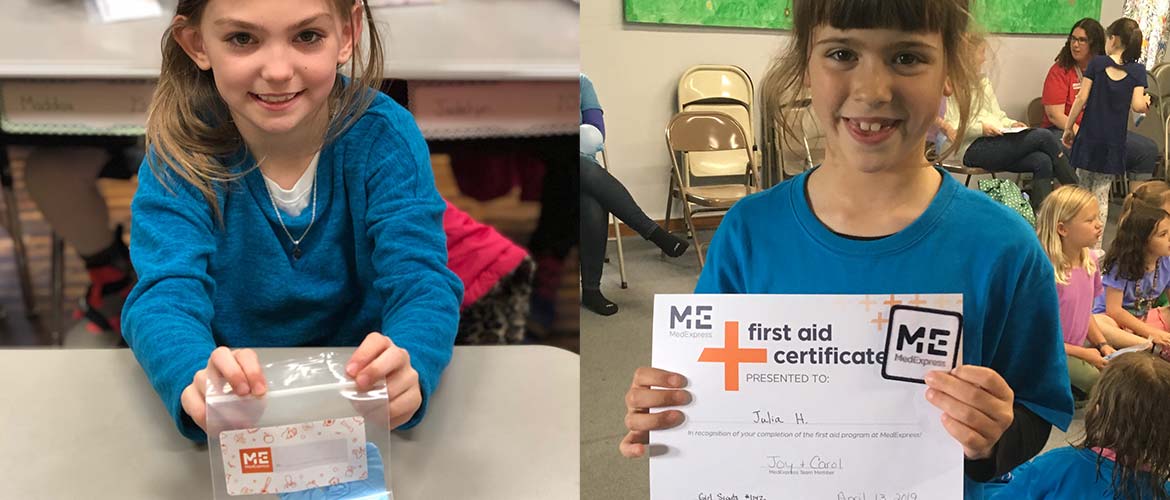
[[80, 104], [466, 110]]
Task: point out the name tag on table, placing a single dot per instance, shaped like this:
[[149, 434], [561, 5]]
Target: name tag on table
[[473, 110], [98, 107], [811, 397]]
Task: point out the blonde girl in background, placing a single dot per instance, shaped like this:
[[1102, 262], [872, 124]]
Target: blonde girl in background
[[1068, 228]]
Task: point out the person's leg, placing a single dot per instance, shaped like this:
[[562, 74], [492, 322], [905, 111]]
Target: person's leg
[[597, 183], [594, 233], [1044, 141], [1116, 336], [1098, 184], [1014, 153], [63, 184], [1141, 157], [1082, 375]]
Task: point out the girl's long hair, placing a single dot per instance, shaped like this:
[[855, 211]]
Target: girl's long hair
[[1061, 207], [1126, 413], [189, 129], [1128, 252]]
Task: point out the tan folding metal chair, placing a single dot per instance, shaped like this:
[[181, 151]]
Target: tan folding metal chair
[[718, 88], [691, 132], [617, 230]]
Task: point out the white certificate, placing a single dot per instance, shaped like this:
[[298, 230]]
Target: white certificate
[[806, 397]]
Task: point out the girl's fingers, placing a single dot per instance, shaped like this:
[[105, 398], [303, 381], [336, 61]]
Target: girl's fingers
[[641, 398], [636, 421], [975, 445], [224, 362], [646, 377], [250, 365], [400, 381], [370, 348], [965, 414], [403, 407], [193, 403], [634, 444], [388, 361]]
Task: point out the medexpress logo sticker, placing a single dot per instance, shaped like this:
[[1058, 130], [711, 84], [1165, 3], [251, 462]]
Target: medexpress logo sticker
[[256, 460], [920, 340]]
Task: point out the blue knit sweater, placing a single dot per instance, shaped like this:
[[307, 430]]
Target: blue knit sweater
[[374, 260]]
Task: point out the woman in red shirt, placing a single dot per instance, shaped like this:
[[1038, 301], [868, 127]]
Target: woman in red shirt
[[1087, 39]]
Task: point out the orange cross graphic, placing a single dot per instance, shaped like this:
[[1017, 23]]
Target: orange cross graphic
[[892, 301], [917, 301], [880, 322], [867, 302], [731, 355]]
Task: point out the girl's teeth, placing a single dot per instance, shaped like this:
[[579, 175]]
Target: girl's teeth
[[275, 99]]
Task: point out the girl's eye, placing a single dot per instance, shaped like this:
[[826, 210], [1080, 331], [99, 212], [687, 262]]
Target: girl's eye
[[308, 37], [240, 39], [842, 55], [907, 59]]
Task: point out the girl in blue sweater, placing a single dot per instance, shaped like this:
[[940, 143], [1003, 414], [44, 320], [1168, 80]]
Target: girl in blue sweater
[[284, 205]]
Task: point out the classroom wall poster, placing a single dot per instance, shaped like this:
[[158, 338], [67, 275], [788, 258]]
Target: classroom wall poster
[[1053, 17]]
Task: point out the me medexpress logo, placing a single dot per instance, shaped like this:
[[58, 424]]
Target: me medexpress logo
[[731, 355], [919, 340], [691, 322]]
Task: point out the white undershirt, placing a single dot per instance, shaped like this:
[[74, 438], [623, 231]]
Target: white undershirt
[[293, 201]]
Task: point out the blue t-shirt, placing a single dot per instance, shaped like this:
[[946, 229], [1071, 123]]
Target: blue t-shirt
[[772, 243], [375, 259], [1150, 289], [1060, 474]]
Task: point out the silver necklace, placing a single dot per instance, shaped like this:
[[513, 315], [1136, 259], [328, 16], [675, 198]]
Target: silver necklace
[[296, 242]]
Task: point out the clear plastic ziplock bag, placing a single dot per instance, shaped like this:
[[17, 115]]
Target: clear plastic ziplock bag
[[312, 436]]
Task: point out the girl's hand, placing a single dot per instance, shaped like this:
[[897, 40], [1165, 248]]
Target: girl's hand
[[990, 130], [1069, 135], [1161, 338], [378, 358], [977, 406], [239, 368], [641, 398], [1106, 350], [1095, 358]]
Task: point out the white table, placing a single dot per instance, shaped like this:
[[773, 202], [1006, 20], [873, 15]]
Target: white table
[[504, 424], [452, 40]]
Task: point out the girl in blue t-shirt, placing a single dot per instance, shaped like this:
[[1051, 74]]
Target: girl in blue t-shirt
[[1136, 272], [876, 218], [1126, 450], [1112, 84]]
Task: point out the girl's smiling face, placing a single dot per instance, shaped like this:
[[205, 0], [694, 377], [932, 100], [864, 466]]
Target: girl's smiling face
[[878, 92], [274, 61]]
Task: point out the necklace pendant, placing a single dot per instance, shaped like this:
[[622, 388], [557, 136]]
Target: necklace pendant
[[296, 252]]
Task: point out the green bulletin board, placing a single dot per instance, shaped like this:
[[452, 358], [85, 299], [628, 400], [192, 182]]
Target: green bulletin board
[[997, 16]]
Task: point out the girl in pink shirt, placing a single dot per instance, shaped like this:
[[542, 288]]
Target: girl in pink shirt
[[1068, 228]]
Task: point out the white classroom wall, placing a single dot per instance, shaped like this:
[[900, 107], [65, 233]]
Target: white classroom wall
[[635, 69]]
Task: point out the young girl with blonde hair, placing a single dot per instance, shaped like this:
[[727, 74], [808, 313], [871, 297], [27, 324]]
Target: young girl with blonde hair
[[1068, 228]]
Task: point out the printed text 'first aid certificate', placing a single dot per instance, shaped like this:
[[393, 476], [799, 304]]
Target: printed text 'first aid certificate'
[[806, 397]]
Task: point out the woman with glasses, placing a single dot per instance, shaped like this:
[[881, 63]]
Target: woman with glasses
[[1086, 40]]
